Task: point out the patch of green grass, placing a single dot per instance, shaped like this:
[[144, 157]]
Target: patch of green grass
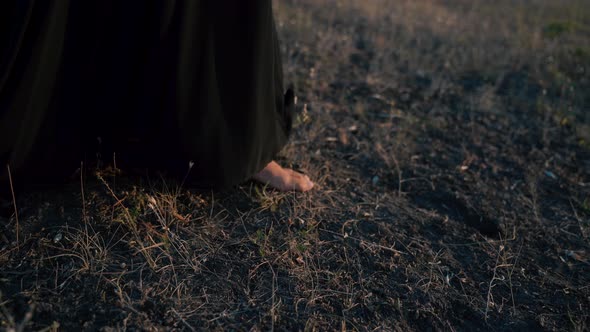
[[586, 205], [558, 28], [301, 247], [582, 53], [259, 236]]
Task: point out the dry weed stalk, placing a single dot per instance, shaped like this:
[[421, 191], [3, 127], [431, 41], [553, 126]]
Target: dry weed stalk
[[131, 224], [13, 203], [504, 259], [389, 158], [12, 325]]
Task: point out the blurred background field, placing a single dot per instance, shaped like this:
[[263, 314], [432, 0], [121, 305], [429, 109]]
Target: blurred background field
[[528, 54], [450, 143]]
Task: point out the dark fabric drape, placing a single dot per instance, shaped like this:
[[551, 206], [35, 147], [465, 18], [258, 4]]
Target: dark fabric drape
[[160, 83]]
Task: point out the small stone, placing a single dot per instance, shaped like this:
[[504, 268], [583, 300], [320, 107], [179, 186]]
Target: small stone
[[375, 180], [57, 237], [551, 175]]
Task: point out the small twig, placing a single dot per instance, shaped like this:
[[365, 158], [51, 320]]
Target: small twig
[[578, 219], [115, 170], [28, 316], [5, 315], [190, 166], [13, 201], [157, 245], [182, 320], [490, 286], [370, 244], [84, 216], [510, 279], [273, 315], [53, 327]]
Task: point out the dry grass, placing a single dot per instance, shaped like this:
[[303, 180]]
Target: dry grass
[[449, 141]]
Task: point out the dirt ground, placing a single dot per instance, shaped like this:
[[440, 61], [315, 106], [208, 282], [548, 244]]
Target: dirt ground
[[450, 143]]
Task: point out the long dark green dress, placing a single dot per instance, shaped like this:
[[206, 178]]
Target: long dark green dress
[[160, 83]]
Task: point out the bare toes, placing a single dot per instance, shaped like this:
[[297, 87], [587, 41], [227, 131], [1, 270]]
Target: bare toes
[[284, 179]]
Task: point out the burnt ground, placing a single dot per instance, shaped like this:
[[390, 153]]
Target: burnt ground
[[450, 145]]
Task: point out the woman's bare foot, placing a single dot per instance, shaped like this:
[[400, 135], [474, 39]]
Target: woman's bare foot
[[283, 179]]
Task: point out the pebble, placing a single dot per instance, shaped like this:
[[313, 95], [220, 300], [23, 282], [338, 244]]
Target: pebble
[[375, 180], [57, 237]]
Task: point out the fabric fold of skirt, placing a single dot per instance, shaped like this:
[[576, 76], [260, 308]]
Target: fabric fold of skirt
[[159, 83]]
